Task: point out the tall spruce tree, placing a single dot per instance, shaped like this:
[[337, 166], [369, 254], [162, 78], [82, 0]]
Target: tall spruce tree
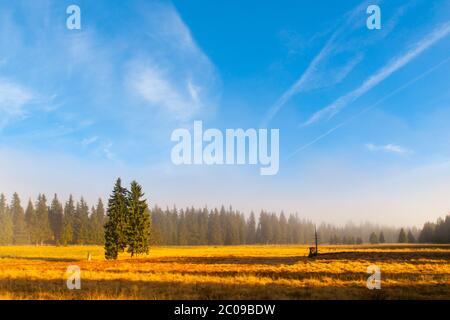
[[402, 236], [55, 216], [373, 239], [138, 226], [31, 221], [18, 216], [6, 223], [81, 223], [426, 235], [116, 225], [410, 237], [215, 236], [381, 237], [251, 229], [42, 225], [68, 219], [97, 221]]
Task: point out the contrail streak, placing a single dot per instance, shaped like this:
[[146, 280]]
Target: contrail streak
[[407, 84], [400, 61]]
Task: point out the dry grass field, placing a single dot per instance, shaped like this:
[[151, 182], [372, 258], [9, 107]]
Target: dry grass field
[[241, 272]]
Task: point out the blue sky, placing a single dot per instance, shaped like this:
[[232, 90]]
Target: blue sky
[[363, 114]]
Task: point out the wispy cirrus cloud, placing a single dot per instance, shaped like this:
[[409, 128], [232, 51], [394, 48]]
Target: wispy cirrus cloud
[[389, 148], [181, 86], [320, 73], [372, 106], [89, 141], [395, 64], [298, 85], [155, 88], [317, 75], [13, 100], [147, 69]]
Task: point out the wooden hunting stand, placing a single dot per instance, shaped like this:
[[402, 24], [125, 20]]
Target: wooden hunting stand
[[314, 251]]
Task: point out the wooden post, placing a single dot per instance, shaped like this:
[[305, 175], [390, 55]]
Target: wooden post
[[314, 251]]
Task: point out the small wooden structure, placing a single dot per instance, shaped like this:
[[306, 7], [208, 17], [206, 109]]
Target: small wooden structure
[[314, 251]]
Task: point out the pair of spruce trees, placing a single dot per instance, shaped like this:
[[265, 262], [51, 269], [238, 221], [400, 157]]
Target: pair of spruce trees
[[128, 225]]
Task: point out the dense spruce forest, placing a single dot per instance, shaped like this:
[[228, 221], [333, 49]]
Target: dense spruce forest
[[76, 223]]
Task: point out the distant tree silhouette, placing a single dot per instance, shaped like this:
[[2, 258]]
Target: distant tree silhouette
[[42, 226], [19, 223], [6, 223], [373, 239], [56, 217], [381, 237], [68, 222], [402, 236], [190, 226], [410, 237]]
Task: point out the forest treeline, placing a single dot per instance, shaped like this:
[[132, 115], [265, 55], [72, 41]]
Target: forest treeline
[[76, 223]]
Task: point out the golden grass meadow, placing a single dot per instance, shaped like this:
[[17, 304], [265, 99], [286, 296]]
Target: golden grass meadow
[[234, 272]]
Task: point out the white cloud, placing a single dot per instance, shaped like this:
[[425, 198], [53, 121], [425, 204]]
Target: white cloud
[[316, 75], [175, 76], [13, 99], [88, 141], [155, 87], [398, 62], [390, 148], [107, 150], [296, 87], [372, 106]]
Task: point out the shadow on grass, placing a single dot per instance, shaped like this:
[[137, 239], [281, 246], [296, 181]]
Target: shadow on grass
[[45, 259], [229, 260], [163, 290], [355, 275], [391, 256], [374, 256]]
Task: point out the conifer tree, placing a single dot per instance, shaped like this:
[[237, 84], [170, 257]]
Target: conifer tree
[[402, 236], [6, 223], [56, 216], [182, 229], [138, 227], [373, 239], [2, 203], [410, 237], [344, 240], [97, 221], [68, 220], [42, 224], [282, 238], [203, 226], [31, 221], [18, 216], [116, 225], [381, 238], [81, 223], [251, 229], [214, 229]]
